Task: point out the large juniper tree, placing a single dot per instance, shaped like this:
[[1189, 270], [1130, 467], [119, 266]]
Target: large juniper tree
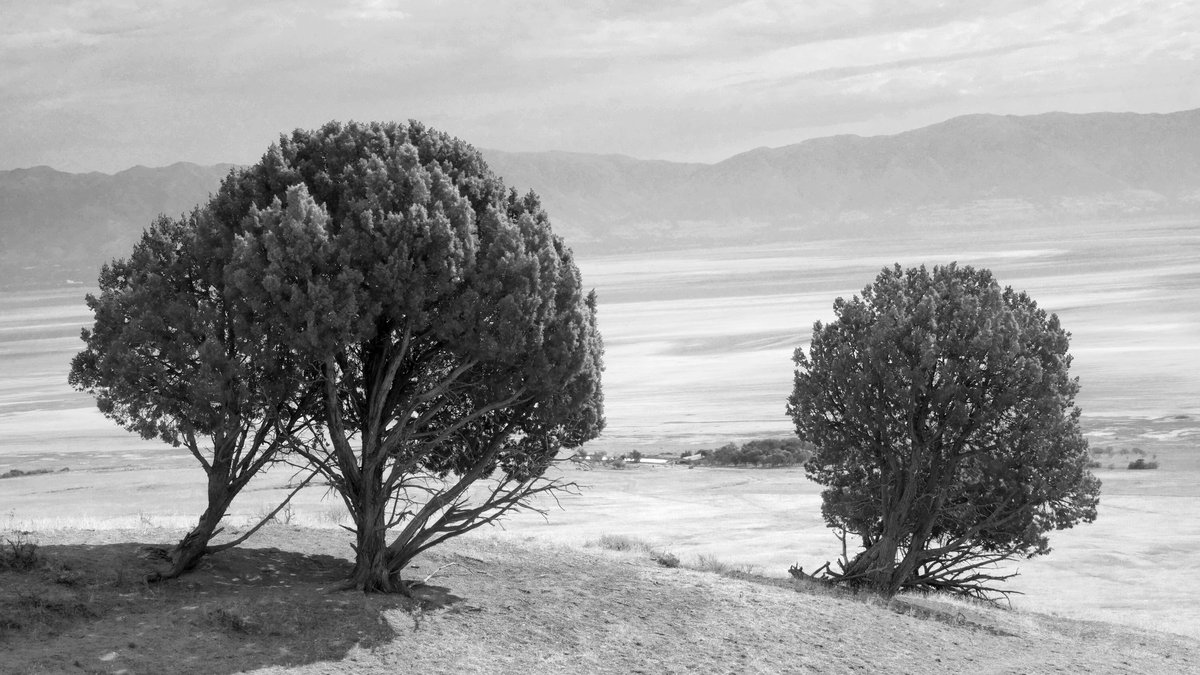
[[448, 326], [946, 432], [175, 354]]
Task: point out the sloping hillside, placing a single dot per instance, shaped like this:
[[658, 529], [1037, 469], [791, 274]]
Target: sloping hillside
[[499, 605]]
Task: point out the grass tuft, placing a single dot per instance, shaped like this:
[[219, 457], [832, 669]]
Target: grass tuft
[[46, 608], [230, 621], [666, 559], [708, 563], [621, 542]]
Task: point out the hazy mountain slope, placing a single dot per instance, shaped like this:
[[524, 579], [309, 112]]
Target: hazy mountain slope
[[591, 197], [77, 221], [1041, 159], [976, 170], [1045, 166]]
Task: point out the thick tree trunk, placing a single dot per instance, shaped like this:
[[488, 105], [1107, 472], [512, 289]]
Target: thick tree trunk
[[372, 569], [874, 568]]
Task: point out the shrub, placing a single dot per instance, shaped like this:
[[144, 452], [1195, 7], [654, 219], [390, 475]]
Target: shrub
[[17, 473], [666, 559], [621, 542], [1140, 464], [709, 563], [19, 554], [230, 621]]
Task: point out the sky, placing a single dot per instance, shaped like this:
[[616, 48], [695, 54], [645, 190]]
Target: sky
[[103, 85]]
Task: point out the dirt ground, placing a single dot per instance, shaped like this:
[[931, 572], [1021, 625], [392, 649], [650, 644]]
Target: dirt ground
[[505, 604]]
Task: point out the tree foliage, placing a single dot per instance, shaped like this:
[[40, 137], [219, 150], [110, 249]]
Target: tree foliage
[[174, 354], [947, 438], [447, 326]]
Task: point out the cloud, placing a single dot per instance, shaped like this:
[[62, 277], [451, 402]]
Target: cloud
[[373, 10], [110, 84]]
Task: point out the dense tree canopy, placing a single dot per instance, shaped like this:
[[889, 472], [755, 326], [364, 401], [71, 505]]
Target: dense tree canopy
[[447, 325], [174, 354], [947, 437]]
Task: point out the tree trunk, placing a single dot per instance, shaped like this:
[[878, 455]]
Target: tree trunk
[[372, 570], [874, 567], [194, 545]]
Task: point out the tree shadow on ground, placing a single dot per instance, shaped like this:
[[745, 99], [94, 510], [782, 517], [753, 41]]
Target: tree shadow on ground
[[88, 608]]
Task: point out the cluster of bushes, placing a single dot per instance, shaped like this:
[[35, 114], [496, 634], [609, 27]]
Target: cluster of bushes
[[1110, 451], [17, 473], [766, 452], [1138, 464]]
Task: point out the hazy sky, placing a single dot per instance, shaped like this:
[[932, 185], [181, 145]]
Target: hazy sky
[[105, 84]]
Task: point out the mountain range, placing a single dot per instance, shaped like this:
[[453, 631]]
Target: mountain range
[[970, 171]]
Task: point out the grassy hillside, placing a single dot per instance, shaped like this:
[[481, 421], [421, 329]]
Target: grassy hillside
[[507, 605]]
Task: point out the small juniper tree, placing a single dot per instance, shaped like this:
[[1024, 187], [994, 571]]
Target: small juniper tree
[[945, 429], [174, 354], [457, 352]]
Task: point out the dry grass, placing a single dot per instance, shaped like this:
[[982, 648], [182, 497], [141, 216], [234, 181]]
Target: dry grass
[[621, 542], [505, 604]]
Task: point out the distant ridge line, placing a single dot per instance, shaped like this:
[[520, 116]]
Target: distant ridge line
[[973, 171]]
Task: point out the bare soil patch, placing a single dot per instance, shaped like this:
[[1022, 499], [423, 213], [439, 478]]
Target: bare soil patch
[[86, 607]]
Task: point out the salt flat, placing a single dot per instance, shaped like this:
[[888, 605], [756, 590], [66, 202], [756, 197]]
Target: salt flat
[[699, 343]]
